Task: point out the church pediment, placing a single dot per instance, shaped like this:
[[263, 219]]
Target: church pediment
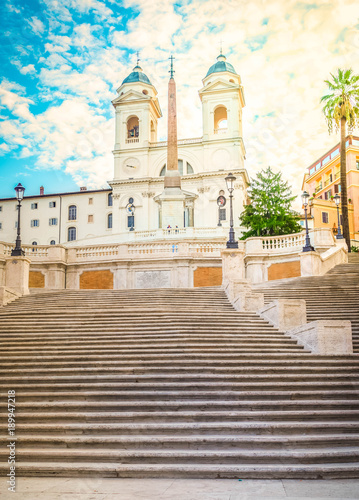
[[218, 85], [131, 95]]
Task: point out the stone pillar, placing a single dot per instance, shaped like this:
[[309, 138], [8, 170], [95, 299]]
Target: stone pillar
[[55, 276], [17, 274], [73, 278], [285, 314], [325, 337], [310, 264], [233, 264]]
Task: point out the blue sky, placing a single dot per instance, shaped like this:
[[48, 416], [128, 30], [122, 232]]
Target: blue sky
[[61, 62]]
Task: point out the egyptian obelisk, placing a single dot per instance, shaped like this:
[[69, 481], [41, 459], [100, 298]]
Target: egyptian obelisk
[[172, 199], [172, 177]]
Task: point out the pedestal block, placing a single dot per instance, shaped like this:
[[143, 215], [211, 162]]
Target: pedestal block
[[17, 274]]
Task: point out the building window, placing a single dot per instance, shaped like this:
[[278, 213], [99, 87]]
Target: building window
[[328, 194], [130, 209], [90, 201], [184, 168], [109, 221], [337, 188], [72, 212], [34, 243], [34, 223], [53, 222], [0, 225], [71, 234], [33, 206], [131, 222], [52, 204], [52, 242], [357, 164], [325, 217], [0, 208], [90, 218], [16, 224], [222, 214], [109, 200]]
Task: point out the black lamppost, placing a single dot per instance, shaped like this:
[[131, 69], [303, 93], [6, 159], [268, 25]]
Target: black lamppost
[[19, 195], [339, 236], [308, 247], [231, 243]]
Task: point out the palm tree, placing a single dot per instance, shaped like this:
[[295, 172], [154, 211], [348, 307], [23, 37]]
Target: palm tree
[[342, 107]]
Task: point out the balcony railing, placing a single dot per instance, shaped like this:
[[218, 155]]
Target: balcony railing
[[219, 131], [181, 142], [131, 141]]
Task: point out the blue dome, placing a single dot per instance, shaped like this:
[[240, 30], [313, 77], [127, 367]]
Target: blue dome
[[220, 66], [137, 75]]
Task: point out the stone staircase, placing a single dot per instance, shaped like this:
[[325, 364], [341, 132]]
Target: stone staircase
[[170, 383], [332, 296]]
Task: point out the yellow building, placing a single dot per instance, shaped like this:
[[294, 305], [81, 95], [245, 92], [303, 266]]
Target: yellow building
[[322, 182]]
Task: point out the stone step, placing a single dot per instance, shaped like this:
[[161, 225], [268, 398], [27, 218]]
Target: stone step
[[168, 395], [203, 415], [279, 385], [192, 404], [198, 442], [135, 383], [188, 471], [225, 367], [244, 429], [102, 380], [179, 456]]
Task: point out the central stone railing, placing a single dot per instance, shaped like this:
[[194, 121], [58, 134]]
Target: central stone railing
[[284, 242]]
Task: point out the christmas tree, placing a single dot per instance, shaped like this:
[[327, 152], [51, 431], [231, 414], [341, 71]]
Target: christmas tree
[[270, 212]]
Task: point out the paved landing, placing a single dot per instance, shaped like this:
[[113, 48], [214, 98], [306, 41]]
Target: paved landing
[[179, 489]]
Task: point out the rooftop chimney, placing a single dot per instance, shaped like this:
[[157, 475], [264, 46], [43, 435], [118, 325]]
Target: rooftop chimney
[[41, 190], [83, 188]]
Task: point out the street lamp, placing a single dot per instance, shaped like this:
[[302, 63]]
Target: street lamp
[[307, 247], [231, 243], [17, 251], [339, 236]]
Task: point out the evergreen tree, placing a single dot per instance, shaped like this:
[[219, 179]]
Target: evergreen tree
[[269, 213]]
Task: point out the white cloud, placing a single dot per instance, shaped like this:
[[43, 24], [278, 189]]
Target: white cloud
[[37, 25], [29, 69], [297, 45]]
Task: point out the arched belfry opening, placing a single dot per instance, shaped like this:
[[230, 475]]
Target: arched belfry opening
[[153, 132], [133, 127], [220, 120]]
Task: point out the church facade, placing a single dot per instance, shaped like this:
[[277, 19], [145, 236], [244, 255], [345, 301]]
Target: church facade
[[130, 207]]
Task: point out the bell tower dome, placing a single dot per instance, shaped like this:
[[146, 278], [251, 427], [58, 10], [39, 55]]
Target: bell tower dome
[[137, 112], [222, 101]]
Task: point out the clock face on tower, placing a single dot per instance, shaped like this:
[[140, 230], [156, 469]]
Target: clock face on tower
[[221, 201], [131, 166]]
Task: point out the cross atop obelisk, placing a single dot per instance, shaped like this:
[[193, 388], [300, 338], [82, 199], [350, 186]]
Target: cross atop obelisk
[[172, 177], [171, 70]]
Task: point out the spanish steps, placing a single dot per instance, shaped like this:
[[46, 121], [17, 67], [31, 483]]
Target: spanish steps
[[332, 296], [171, 383]]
